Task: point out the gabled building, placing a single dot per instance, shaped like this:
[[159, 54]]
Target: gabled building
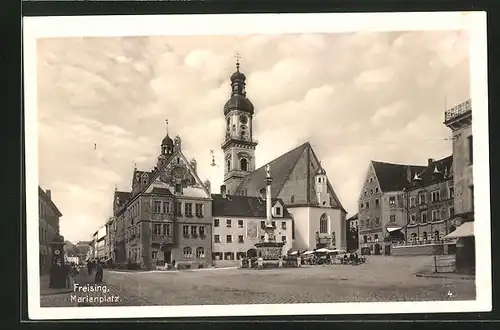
[[431, 203], [381, 204], [166, 216], [239, 223]]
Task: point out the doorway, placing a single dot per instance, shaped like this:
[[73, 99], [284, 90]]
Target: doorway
[[167, 256], [377, 249]]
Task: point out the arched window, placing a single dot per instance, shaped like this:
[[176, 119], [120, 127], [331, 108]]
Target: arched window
[[243, 164], [436, 235], [424, 236], [323, 224], [188, 253], [413, 236], [200, 252], [228, 165], [228, 122]]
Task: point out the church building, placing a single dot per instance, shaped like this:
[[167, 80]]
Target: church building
[[299, 180]]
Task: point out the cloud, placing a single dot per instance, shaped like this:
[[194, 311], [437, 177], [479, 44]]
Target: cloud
[[354, 96]]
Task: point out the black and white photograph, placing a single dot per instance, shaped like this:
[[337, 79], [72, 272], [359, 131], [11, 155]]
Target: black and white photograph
[[290, 164]]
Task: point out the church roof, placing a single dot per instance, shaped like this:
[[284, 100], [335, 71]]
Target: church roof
[[281, 168], [242, 206], [281, 171], [394, 177], [161, 191], [123, 196]]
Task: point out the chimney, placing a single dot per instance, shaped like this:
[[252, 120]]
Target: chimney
[[47, 192], [263, 193], [223, 191], [430, 161]]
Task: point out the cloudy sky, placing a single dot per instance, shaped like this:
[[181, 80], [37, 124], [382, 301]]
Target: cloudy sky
[[355, 97]]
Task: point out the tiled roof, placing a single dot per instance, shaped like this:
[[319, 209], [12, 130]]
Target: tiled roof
[[353, 218], [123, 196], [281, 168], [427, 176], [161, 191], [394, 177], [242, 206]]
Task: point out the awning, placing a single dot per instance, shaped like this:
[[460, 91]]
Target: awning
[[322, 250], [308, 252], [391, 229], [293, 253], [465, 230]]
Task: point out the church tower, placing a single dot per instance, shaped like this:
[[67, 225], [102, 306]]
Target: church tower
[[238, 145], [167, 149]]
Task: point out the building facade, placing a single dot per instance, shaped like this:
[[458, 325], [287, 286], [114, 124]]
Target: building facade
[[239, 223], [381, 207], [298, 177], [430, 200], [352, 238], [48, 227], [167, 215], [100, 244]]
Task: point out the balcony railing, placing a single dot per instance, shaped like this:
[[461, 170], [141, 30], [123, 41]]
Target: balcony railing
[[458, 110]]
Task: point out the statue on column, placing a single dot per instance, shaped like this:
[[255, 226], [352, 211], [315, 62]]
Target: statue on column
[[268, 171], [266, 237]]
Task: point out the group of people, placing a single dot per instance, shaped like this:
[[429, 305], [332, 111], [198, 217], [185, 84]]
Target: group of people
[[97, 266], [352, 259]]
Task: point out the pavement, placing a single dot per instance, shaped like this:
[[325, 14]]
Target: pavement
[[447, 275], [380, 279]]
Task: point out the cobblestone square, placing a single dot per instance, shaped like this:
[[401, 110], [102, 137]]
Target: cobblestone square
[[382, 279]]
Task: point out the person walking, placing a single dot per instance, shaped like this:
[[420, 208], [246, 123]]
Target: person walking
[[99, 272]]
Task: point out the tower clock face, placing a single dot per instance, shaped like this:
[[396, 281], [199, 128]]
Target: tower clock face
[[243, 119]]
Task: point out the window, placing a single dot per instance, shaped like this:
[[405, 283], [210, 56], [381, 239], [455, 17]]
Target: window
[[451, 192], [243, 163], [376, 189], [283, 239], [216, 238], [392, 200], [157, 207], [377, 203], [392, 218], [194, 231], [240, 223], [157, 229], [154, 254], [377, 221], [367, 205], [365, 239], [178, 189], [371, 191], [262, 237], [361, 205], [188, 253], [436, 215], [200, 252], [362, 223], [436, 196], [452, 212], [229, 239], [366, 193], [273, 223], [185, 230], [228, 223], [413, 201], [202, 231], [471, 153], [371, 179], [188, 209], [228, 165], [216, 222], [422, 199], [178, 208], [375, 237], [292, 199], [166, 207], [199, 210], [423, 217], [413, 218], [283, 225], [323, 224], [278, 211], [166, 229], [262, 224], [240, 239]]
